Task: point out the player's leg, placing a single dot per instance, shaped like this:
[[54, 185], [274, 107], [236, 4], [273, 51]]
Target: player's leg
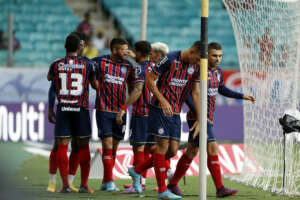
[[214, 165], [52, 169], [73, 163], [63, 127], [104, 124], [83, 134]]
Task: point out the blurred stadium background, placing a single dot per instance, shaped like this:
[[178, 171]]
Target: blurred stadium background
[[41, 26]]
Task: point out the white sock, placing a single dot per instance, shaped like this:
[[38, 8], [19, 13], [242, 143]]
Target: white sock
[[52, 178], [70, 178], [143, 181]]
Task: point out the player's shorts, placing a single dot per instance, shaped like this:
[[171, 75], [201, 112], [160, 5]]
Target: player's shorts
[[138, 130], [210, 133], [72, 121], [163, 127], [151, 139], [108, 126]]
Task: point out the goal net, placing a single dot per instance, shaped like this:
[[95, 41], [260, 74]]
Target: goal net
[[267, 34]]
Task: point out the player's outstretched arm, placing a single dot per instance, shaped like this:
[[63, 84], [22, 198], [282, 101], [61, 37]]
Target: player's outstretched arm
[[150, 82], [249, 98], [134, 95], [51, 102], [196, 100]]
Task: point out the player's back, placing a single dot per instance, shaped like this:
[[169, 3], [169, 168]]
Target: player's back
[[141, 106], [71, 76]]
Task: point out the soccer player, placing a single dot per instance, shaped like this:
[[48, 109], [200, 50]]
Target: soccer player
[[158, 50], [75, 148], [113, 74], [215, 85], [71, 76], [177, 72], [140, 109], [266, 46]]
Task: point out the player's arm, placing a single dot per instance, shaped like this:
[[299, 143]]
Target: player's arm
[[189, 102], [134, 95], [150, 82], [225, 91], [196, 100], [51, 102], [93, 75], [50, 75]]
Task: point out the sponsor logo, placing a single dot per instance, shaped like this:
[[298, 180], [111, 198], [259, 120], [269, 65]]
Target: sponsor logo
[[68, 101], [178, 82], [123, 70], [191, 70], [114, 79], [70, 109], [161, 131], [26, 124], [212, 91]]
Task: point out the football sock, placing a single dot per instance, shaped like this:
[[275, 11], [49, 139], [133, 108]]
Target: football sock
[[160, 171], [114, 156], [62, 161], [52, 162], [181, 168], [146, 157], [107, 160], [73, 162], [84, 158], [215, 170], [147, 164]]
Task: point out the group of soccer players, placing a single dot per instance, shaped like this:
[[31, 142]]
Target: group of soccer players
[[159, 83]]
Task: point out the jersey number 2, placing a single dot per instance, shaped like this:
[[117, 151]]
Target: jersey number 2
[[76, 84]]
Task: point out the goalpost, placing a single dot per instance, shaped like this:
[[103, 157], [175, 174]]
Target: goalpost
[[267, 34]]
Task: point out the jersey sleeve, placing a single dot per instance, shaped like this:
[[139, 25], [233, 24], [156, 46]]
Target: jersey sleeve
[[197, 74], [92, 70], [139, 74], [221, 78], [162, 65], [51, 74]]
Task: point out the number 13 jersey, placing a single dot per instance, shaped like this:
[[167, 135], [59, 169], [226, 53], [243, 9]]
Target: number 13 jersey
[[72, 75]]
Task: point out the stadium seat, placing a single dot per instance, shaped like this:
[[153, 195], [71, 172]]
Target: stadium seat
[[177, 29]]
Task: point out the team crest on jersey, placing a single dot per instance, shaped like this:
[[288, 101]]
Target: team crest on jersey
[[191, 70], [161, 130], [123, 70]]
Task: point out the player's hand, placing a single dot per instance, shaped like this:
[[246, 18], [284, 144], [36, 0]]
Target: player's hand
[[120, 116], [249, 98], [130, 53], [167, 109], [196, 128], [51, 116]]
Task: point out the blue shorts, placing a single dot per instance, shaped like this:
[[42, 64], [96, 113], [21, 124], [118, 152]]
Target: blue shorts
[[108, 127], [210, 133], [163, 127], [138, 130], [74, 123], [151, 139]]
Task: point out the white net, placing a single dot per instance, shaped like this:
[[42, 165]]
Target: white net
[[267, 34]]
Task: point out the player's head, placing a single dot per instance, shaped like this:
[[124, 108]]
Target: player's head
[[83, 39], [158, 50], [72, 43], [215, 54], [193, 56], [119, 47], [142, 50]]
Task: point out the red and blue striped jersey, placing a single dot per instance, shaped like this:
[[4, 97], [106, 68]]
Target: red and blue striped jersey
[[141, 106], [175, 79], [113, 78], [214, 81], [72, 75]]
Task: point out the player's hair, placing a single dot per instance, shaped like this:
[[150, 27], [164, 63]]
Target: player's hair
[[197, 46], [72, 43], [81, 35], [161, 47], [117, 42], [144, 47], [214, 45]]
